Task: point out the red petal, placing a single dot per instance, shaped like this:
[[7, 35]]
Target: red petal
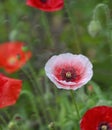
[[9, 90], [96, 116], [13, 49], [48, 5]]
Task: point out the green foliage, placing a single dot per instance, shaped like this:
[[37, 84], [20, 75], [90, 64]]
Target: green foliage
[[41, 104]]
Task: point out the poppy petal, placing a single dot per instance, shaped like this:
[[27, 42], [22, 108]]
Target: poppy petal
[[97, 118], [15, 57], [46, 5], [69, 71], [9, 90]]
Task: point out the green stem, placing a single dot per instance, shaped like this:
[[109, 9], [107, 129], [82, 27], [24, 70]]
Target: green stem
[[34, 75], [32, 101], [3, 120], [47, 28], [77, 44], [104, 7], [30, 79], [75, 104], [33, 78], [108, 21]]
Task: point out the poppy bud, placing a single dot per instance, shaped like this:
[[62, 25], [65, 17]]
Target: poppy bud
[[12, 125], [51, 126], [94, 28], [90, 89]]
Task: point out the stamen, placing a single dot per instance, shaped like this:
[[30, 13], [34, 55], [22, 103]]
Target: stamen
[[12, 60], [104, 127], [68, 75]]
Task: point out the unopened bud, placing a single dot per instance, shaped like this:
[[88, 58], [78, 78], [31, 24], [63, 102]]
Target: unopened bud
[[90, 89], [12, 125], [51, 126], [94, 28]]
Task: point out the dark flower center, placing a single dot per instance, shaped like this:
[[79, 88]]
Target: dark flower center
[[104, 126], [43, 1], [68, 74]]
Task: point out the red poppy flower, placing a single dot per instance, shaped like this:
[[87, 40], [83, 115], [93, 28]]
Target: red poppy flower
[[97, 118], [13, 56], [9, 90], [46, 5], [69, 71]]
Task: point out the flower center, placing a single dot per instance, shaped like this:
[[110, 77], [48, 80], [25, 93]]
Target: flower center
[[104, 126], [14, 59], [43, 1], [68, 74]]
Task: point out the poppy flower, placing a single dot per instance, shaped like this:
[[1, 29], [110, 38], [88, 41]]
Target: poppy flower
[[97, 118], [46, 5], [13, 56], [9, 90], [69, 71]]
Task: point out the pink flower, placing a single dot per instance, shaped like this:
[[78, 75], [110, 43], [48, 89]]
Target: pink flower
[[69, 71]]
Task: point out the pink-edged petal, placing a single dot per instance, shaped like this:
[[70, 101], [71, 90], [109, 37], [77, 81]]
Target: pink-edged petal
[[78, 65]]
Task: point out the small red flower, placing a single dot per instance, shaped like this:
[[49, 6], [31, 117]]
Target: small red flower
[[69, 71], [9, 90], [46, 5], [97, 118], [13, 56]]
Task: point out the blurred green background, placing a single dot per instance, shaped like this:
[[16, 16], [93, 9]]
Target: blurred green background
[[41, 105]]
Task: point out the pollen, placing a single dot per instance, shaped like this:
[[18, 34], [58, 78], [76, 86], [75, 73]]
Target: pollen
[[68, 75], [104, 127], [12, 60]]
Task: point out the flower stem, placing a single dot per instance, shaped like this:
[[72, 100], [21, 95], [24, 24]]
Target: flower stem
[[32, 75], [75, 104], [45, 23], [108, 21], [77, 44]]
